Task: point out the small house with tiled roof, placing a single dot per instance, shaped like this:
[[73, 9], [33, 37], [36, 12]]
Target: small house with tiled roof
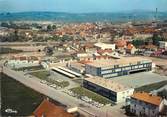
[[144, 104], [48, 109]]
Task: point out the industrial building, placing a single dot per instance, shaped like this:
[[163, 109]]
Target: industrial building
[[108, 68], [114, 91]]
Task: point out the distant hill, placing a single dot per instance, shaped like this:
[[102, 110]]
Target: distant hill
[[82, 17]]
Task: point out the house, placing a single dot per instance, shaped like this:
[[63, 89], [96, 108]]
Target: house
[[149, 47], [23, 61], [121, 44], [131, 49], [83, 56], [48, 109], [88, 47], [163, 45], [105, 54], [104, 46], [145, 104]]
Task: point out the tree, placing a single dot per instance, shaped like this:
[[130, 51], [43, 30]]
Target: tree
[[49, 28], [156, 38], [48, 51], [138, 43], [4, 24], [163, 93], [54, 27], [16, 37]]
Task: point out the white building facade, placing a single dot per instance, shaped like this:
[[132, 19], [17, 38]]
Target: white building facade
[[112, 90], [145, 105], [163, 45], [114, 68]]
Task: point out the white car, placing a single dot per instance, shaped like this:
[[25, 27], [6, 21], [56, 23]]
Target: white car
[[43, 82], [10, 111]]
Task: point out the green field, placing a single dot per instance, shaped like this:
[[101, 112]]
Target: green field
[[30, 68], [43, 75], [94, 96], [151, 87], [18, 97], [9, 50]]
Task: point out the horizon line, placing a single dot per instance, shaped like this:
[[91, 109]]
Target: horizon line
[[137, 10]]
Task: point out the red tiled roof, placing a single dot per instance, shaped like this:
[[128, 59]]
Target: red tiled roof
[[89, 45], [146, 97], [121, 43], [130, 46], [84, 61], [103, 51], [23, 58], [33, 58], [50, 110], [150, 46]]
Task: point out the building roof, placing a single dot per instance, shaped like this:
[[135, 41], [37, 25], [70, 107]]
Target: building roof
[[78, 65], [89, 45], [130, 46], [148, 98], [104, 45], [107, 83], [121, 61], [23, 58], [50, 110], [84, 61], [104, 51], [150, 46], [121, 43]]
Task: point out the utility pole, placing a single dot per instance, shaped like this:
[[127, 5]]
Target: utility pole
[[156, 14]]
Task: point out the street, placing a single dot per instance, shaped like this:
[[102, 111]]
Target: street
[[63, 98]]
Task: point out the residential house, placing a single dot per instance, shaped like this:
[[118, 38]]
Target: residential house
[[143, 104], [48, 109]]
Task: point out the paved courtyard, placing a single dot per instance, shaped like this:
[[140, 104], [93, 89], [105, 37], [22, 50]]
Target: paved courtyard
[[140, 79], [57, 76]]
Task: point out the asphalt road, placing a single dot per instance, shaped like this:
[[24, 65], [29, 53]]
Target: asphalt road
[[57, 95]]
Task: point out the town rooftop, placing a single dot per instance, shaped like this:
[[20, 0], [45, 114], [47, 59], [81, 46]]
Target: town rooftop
[[121, 61]]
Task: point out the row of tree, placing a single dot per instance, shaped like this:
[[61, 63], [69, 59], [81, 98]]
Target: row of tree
[[154, 40]]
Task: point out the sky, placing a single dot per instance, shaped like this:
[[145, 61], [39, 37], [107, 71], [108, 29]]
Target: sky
[[81, 6]]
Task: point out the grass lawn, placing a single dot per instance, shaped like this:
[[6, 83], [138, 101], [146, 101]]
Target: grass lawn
[[43, 75], [62, 84], [40, 67], [151, 87], [18, 97], [94, 96], [9, 50]]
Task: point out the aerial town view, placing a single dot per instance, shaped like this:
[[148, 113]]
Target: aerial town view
[[83, 58]]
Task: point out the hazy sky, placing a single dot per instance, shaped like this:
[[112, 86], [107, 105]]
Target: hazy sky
[[78, 6]]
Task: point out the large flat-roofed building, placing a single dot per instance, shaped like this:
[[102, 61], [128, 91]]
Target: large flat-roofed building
[[107, 88], [108, 68]]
